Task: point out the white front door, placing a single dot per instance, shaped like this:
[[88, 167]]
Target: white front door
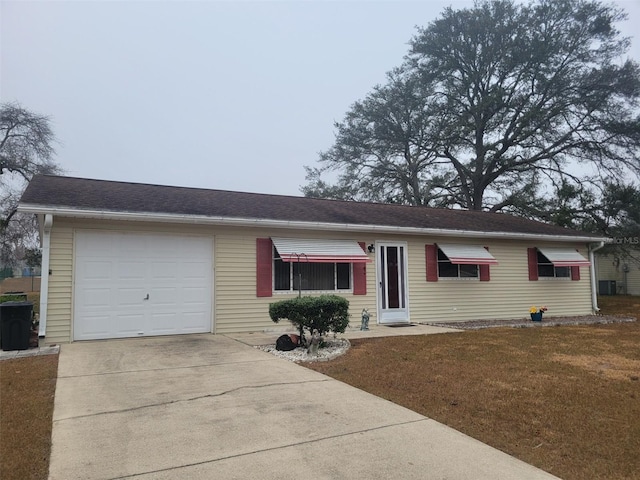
[[141, 284], [393, 301]]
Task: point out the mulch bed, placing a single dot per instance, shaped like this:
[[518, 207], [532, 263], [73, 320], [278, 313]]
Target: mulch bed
[[546, 322]]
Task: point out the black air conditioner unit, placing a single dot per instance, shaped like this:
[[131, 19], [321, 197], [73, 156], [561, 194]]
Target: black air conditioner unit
[[607, 287]]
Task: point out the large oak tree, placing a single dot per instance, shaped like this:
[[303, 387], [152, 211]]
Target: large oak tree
[[26, 148], [495, 107]]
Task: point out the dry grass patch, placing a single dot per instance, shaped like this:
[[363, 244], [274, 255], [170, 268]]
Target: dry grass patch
[[566, 399], [27, 387], [611, 366]]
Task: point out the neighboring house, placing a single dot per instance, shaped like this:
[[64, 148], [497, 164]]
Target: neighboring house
[[618, 274], [128, 260]]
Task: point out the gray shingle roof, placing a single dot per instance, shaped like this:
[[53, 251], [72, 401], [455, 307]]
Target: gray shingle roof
[[49, 191]]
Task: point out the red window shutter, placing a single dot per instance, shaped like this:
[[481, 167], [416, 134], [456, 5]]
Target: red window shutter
[[532, 255], [431, 254], [264, 267], [360, 275], [485, 275], [575, 273]]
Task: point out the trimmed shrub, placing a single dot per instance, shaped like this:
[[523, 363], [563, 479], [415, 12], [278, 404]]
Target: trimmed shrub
[[326, 313]]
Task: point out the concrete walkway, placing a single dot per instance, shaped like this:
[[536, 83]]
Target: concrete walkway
[[205, 407]]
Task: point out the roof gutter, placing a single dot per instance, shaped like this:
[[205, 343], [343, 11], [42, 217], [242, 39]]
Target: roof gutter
[[594, 293], [270, 223]]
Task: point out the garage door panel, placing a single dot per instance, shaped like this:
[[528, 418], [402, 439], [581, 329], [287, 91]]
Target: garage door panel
[[94, 270], [165, 295], [129, 325], [96, 298], [165, 246], [130, 245], [95, 326], [192, 322], [95, 243], [129, 297], [163, 269], [130, 270], [114, 272], [192, 307], [195, 246], [164, 323], [192, 270], [194, 294]]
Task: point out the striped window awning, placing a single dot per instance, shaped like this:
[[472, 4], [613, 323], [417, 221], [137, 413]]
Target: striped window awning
[[319, 251], [467, 254], [564, 257]]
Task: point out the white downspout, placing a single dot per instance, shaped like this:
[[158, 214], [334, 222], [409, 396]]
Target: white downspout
[[44, 276], [594, 292]]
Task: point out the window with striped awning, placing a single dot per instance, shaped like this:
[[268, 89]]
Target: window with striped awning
[[564, 257], [319, 251], [320, 265], [459, 254]]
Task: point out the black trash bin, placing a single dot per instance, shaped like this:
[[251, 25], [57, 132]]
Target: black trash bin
[[15, 325]]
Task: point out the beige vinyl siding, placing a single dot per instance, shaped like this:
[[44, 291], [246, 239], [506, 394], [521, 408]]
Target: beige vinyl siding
[[633, 279], [610, 267], [60, 285], [508, 295], [236, 308]]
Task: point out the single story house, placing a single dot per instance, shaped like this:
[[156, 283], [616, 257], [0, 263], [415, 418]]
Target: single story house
[[129, 260]]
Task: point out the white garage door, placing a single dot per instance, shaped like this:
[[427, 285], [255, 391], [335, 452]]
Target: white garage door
[[131, 285]]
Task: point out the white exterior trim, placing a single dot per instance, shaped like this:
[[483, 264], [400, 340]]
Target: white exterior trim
[[44, 276], [252, 222], [401, 315], [592, 271]]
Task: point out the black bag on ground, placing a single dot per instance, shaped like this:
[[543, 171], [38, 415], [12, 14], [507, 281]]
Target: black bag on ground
[[284, 343]]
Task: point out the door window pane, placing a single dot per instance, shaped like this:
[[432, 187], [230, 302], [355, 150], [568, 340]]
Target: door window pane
[[383, 273], [401, 272], [393, 284]]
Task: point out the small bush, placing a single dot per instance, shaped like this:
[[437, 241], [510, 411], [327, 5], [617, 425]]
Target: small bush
[[326, 313]]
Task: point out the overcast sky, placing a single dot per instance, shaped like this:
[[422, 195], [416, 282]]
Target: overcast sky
[[229, 95]]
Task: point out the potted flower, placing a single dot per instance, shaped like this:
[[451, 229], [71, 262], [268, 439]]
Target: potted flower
[[536, 313]]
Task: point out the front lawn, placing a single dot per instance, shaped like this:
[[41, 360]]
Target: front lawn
[[565, 399], [27, 387]]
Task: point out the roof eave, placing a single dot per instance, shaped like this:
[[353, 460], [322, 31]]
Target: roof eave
[[287, 224]]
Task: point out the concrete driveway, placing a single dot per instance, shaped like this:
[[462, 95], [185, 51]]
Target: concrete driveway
[[211, 407]]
